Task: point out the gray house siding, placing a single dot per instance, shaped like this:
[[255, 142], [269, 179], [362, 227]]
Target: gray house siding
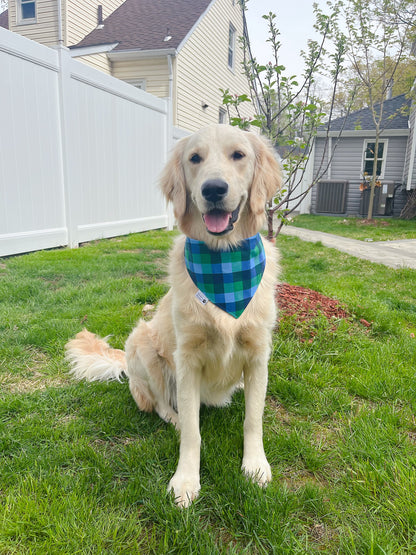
[[347, 165]]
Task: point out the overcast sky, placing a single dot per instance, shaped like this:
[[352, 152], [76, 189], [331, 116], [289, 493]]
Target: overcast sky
[[294, 20]]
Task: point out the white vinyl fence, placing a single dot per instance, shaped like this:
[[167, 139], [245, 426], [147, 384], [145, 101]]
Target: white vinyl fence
[[80, 151]]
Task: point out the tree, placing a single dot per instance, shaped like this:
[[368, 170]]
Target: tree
[[379, 34], [403, 82], [289, 110]]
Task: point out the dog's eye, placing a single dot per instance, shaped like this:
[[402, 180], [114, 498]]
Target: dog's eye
[[195, 158], [237, 155]]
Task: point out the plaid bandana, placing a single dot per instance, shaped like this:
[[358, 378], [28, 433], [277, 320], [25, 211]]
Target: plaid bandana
[[227, 278]]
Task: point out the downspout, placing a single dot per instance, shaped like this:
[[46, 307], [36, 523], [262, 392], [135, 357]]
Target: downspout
[[170, 69], [412, 158], [60, 34], [169, 138], [329, 174]]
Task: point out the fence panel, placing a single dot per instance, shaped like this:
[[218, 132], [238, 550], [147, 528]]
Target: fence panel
[[32, 212], [80, 151]]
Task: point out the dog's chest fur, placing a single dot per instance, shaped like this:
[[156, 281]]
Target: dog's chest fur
[[222, 343]]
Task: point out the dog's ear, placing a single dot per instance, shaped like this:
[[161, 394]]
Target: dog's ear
[[172, 180], [267, 174]]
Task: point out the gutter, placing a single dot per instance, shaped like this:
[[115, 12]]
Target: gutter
[[77, 51], [364, 133], [126, 55]]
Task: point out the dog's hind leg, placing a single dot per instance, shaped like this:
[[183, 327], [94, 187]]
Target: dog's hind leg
[[152, 383], [141, 394]]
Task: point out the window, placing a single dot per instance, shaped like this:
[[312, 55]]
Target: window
[[222, 116], [369, 152], [231, 47], [27, 11]]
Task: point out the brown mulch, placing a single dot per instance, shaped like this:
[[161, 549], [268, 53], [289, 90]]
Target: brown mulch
[[305, 304]]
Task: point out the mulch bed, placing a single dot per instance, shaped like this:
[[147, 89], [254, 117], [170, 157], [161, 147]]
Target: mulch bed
[[305, 304]]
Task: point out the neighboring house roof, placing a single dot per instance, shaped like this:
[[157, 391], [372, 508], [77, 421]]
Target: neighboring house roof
[[395, 116], [4, 19], [144, 24]]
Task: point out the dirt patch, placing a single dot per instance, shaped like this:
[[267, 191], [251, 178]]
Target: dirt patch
[[305, 304], [374, 223], [35, 381]]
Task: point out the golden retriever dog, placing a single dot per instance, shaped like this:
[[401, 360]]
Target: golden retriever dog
[[193, 351]]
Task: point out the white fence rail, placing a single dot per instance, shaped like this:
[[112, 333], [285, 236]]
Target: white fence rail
[[80, 151]]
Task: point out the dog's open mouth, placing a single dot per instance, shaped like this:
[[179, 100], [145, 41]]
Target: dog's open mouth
[[219, 222]]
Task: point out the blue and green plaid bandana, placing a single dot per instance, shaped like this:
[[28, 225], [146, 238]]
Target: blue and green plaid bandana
[[228, 278]]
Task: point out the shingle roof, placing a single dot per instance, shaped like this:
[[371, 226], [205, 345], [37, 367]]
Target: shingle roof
[[395, 116], [143, 24], [4, 19]]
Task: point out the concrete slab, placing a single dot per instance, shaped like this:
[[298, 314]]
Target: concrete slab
[[395, 254]]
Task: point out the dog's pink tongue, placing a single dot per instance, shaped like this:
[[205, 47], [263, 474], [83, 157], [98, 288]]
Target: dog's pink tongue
[[217, 221]]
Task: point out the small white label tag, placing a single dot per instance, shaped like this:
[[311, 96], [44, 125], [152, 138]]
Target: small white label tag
[[201, 297]]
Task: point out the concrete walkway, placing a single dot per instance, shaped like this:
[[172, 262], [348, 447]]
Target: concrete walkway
[[396, 254]]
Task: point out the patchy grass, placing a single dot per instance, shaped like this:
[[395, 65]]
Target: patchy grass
[[379, 229], [83, 471]]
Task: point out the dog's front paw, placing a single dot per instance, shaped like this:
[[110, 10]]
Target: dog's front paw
[[258, 470], [185, 489]]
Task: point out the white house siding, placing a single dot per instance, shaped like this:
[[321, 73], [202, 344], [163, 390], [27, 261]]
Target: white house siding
[[347, 166], [45, 30], [154, 71], [202, 68], [81, 17]]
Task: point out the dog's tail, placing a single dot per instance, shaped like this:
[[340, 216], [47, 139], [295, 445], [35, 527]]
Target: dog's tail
[[91, 358]]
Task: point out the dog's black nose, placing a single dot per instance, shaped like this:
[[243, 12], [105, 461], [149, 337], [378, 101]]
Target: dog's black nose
[[214, 190]]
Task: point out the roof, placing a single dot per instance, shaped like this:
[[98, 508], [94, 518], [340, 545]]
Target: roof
[[395, 116], [4, 19], [144, 24]]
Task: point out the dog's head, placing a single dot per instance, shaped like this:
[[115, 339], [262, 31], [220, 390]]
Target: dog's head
[[219, 180]]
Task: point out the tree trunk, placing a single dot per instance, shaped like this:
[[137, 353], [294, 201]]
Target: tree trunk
[[371, 201], [270, 214]]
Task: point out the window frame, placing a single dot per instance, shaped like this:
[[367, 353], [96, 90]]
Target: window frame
[[222, 115], [231, 46], [25, 20], [381, 161]]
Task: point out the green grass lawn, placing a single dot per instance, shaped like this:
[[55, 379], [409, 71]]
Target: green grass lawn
[[380, 229], [83, 471]]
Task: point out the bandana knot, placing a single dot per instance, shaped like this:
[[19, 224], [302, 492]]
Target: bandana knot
[[228, 278]]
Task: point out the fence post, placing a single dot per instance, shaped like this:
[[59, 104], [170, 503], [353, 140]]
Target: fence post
[[168, 147], [64, 59]]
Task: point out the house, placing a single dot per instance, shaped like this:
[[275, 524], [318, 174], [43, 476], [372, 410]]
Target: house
[[182, 50], [344, 155]]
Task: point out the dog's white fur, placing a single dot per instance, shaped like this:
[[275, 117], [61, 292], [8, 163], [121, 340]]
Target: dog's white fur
[[191, 353]]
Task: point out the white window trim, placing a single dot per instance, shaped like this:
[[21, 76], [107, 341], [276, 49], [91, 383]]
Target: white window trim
[[231, 47], [222, 115], [383, 162], [20, 19]]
